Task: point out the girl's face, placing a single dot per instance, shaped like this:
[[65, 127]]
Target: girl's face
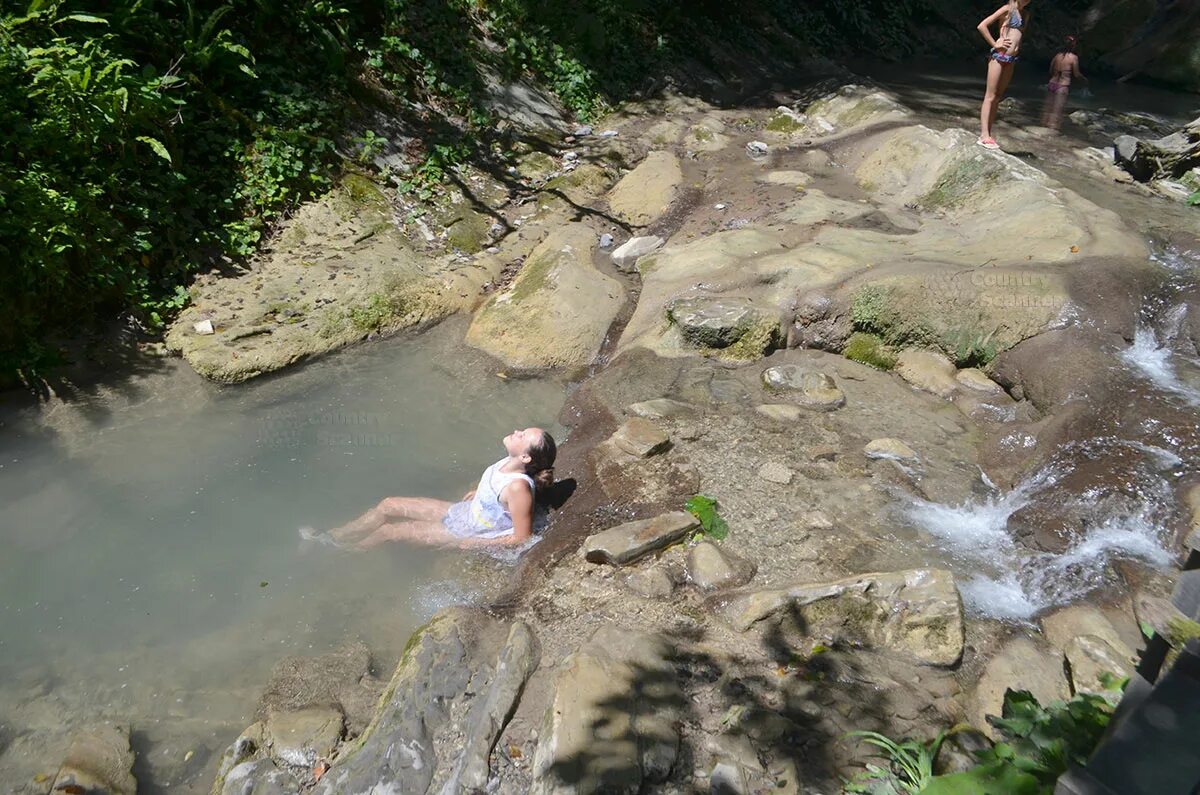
[[517, 443]]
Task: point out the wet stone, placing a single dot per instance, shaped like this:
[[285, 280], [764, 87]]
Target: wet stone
[[812, 388], [727, 390], [652, 583], [300, 737], [890, 449], [641, 438], [977, 380], [99, 761], [627, 542], [260, 777]]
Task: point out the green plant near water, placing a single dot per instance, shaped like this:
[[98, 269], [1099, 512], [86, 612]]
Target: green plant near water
[[1037, 745], [705, 510], [871, 350], [910, 765]]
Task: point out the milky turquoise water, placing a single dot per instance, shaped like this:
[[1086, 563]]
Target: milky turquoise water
[[151, 571]]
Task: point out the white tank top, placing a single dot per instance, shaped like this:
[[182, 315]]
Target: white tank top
[[486, 509]]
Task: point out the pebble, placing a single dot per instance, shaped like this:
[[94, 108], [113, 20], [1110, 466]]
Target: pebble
[[775, 472], [757, 149], [583, 132], [204, 327], [570, 156], [609, 134], [719, 206], [606, 240]]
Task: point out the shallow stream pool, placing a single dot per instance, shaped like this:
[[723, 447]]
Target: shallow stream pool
[[152, 572]]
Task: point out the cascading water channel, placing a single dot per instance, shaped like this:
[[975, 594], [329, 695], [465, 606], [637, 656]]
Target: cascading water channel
[[1126, 509]]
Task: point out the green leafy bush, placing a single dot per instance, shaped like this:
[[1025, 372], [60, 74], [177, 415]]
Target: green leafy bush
[[705, 510], [1038, 744]]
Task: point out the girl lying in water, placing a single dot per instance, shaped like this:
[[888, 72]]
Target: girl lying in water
[[498, 512]]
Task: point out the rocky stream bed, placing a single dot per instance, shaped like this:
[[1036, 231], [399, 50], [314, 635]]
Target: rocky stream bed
[[837, 316]]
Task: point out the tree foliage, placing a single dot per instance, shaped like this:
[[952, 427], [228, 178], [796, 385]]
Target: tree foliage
[[141, 140]]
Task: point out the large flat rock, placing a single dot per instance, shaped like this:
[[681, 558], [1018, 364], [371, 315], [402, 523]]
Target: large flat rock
[[610, 727], [338, 271], [557, 311], [917, 612], [99, 761]]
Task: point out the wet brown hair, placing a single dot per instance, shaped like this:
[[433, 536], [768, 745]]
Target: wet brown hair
[[541, 461]]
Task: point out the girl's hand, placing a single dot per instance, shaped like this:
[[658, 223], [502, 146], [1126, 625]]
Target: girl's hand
[[470, 495], [1003, 43]]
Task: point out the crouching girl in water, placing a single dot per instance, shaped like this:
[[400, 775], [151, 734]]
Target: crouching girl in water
[[498, 512]]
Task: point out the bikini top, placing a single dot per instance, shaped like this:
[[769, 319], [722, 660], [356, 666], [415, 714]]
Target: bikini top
[[1015, 21]]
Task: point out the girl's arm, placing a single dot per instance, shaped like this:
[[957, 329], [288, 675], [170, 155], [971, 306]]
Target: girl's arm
[[1053, 67], [518, 498], [985, 26]]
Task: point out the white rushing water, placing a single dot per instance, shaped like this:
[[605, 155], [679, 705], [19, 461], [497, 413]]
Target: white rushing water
[[1152, 356], [1000, 578]]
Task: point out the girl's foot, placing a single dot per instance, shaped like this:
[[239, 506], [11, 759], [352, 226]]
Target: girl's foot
[[988, 143], [310, 537]]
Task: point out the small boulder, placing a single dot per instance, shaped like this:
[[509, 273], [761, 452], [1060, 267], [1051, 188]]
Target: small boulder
[[890, 449], [626, 255], [757, 150], [927, 370], [718, 322], [641, 438], [99, 761], [813, 389], [775, 472], [710, 567], [300, 737], [1067, 623], [975, 379], [917, 612], [1020, 664], [628, 542], [259, 777]]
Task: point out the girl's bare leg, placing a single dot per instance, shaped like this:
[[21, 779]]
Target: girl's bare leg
[[1006, 73], [392, 509], [987, 112], [426, 533]]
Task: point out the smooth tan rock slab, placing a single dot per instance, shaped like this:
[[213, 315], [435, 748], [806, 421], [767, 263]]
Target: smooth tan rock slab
[[1020, 664], [627, 542], [783, 412], [610, 727], [1067, 623], [641, 438], [926, 370], [645, 193], [917, 612]]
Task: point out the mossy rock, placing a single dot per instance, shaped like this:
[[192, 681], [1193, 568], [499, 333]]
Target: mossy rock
[[584, 183], [360, 194], [784, 123], [965, 179], [470, 233], [536, 166], [871, 350]]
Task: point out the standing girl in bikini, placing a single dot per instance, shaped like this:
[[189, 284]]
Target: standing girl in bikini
[[498, 512], [1013, 19]]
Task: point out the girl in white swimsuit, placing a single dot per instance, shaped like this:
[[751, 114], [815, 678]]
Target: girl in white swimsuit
[[498, 512]]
